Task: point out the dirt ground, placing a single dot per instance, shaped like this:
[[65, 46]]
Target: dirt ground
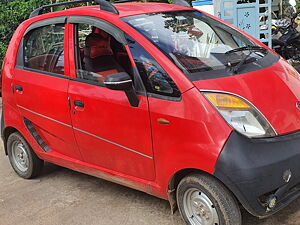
[[64, 197]]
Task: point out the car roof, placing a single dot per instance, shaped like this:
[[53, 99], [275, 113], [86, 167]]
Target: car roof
[[134, 8], [130, 9]]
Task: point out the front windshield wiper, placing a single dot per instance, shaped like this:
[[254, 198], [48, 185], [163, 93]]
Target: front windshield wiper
[[249, 48]]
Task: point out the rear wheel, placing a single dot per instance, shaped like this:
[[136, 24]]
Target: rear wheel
[[22, 158], [202, 200]]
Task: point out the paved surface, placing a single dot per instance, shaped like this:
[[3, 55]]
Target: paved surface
[[64, 197]]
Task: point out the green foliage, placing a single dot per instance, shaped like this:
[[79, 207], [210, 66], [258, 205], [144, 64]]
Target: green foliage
[[12, 13]]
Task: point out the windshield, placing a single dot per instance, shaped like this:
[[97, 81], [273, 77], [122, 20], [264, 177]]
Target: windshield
[[197, 43]]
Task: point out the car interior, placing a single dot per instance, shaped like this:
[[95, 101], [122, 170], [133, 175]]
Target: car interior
[[47, 62], [100, 55]]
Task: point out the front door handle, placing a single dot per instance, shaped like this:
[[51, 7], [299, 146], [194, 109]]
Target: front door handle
[[79, 103], [19, 88]]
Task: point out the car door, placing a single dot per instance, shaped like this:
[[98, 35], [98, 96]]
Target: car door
[[110, 133], [41, 84]]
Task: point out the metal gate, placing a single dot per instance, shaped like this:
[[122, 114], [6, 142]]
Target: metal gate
[[253, 17]]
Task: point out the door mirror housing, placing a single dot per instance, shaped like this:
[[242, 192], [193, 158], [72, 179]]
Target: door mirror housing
[[123, 82], [119, 81]]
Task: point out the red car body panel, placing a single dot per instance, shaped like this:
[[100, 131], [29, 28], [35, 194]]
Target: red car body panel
[[276, 93], [108, 115], [131, 9], [50, 101], [166, 149], [177, 146]]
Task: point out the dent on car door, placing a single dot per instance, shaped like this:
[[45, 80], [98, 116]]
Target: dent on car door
[[110, 132], [41, 85]]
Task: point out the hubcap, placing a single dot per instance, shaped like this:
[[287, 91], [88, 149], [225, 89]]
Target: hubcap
[[20, 156], [199, 209]]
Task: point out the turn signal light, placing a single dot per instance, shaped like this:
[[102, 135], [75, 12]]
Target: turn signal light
[[222, 101]]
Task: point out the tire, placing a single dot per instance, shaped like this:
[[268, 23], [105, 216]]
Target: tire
[[203, 200], [22, 158]]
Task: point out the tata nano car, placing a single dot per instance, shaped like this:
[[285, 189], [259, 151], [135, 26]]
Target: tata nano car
[[159, 97]]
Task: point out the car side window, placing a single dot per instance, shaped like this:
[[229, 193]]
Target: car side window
[[98, 54], [155, 79], [44, 49]]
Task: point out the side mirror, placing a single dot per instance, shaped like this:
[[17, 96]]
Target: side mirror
[[118, 81], [122, 82]]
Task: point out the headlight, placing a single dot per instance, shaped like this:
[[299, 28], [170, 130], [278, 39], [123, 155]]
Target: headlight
[[241, 115]]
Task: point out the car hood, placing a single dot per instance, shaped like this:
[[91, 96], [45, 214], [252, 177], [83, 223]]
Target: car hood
[[275, 91]]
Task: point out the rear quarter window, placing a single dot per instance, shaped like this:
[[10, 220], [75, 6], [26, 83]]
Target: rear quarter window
[[44, 49]]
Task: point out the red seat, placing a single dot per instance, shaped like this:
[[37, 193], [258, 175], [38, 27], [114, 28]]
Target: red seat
[[98, 55], [96, 45]]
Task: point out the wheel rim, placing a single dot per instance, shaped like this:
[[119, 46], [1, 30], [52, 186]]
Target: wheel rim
[[20, 156], [199, 209]]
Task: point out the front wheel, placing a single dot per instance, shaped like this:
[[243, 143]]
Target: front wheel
[[22, 158], [203, 200]]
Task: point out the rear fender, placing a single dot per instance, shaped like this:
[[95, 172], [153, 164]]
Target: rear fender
[[12, 121]]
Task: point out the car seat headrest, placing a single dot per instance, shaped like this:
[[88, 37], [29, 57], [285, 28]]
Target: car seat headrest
[[105, 35], [96, 46]]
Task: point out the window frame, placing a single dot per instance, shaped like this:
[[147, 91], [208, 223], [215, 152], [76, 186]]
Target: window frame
[[120, 36], [47, 22], [69, 63], [152, 94], [109, 28]]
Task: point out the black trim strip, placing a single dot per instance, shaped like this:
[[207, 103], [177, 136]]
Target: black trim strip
[[36, 136], [2, 124], [46, 22], [114, 31], [164, 97]]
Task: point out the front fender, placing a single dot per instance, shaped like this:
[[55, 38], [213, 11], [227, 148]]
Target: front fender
[[194, 137]]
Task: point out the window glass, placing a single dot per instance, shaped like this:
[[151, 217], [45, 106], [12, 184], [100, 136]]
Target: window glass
[[199, 45], [154, 77], [44, 49], [98, 55]]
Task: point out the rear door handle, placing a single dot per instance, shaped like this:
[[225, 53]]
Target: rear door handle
[[163, 121], [79, 103], [19, 88]]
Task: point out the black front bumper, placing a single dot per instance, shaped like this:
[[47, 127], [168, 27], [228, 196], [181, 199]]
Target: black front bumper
[[254, 170]]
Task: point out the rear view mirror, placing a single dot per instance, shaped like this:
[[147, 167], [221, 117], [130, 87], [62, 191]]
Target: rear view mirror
[[122, 82]]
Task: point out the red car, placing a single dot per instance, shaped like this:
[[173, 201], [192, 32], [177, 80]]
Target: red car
[[162, 98]]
